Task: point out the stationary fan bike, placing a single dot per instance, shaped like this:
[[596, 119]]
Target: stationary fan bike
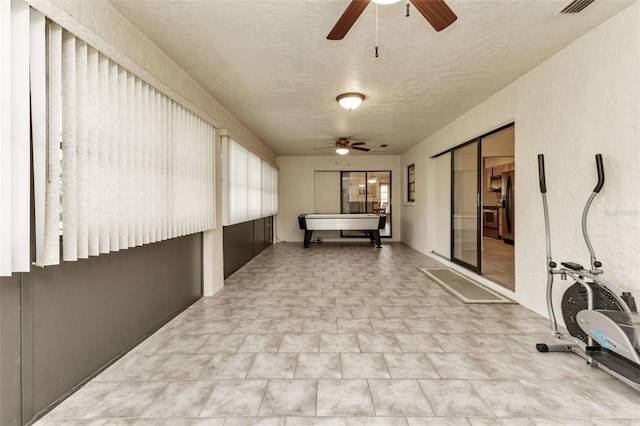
[[602, 321]]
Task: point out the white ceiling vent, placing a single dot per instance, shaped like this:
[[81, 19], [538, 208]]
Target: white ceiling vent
[[576, 6]]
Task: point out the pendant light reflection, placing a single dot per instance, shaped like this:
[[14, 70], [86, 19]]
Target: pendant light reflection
[[372, 179]]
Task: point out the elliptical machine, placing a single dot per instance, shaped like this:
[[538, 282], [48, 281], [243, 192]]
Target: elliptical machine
[[602, 321]]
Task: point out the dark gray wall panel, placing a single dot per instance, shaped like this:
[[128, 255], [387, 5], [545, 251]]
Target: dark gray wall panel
[[237, 246], [258, 236], [10, 387], [79, 316], [244, 241]]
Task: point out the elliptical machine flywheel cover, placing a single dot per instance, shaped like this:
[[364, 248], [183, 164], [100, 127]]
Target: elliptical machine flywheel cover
[[575, 300]]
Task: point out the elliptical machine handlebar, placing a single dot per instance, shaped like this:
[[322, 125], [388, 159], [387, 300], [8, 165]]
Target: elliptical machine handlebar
[[595, 264], [541, 176], [600, 168], [543, 190]]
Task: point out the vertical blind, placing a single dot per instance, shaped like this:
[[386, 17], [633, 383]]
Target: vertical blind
[[250, 185], [15, 159], [121, 165]]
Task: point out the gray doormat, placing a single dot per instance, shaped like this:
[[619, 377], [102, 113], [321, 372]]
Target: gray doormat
[[465, 289]]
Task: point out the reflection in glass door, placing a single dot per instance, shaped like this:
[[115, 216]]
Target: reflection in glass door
[[366, 192], [465, 205]]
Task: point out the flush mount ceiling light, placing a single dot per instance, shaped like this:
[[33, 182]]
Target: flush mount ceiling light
[[342, 151], [350, 101]]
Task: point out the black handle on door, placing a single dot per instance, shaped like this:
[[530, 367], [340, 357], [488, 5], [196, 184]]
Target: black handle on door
[[508, 202]]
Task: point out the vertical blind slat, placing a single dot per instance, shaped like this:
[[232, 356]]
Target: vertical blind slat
[[163, 125], [38, 83], [94, 190], [69, 103], [53, 179], [144, 165], [130, 172], [113, 170], [5, 139], [103, 135], [82, 135], [20, 138], [138, 192], [153, 170], [124, 181]]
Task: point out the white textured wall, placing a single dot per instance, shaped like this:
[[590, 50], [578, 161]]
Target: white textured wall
[[296, 191], [98, 23], [582, 101]]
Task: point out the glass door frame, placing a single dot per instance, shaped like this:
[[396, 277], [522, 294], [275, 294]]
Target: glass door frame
[[367, 174], [478, 267], [479, 139]]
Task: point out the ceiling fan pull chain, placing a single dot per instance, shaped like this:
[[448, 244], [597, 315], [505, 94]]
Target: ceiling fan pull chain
[[376, 30], [408, 5]]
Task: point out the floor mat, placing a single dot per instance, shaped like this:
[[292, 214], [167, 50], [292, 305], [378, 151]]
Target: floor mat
[[465, 289]]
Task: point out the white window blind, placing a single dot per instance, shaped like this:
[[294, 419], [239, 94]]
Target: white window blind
[[250, 185], [269, 190], [124, 164], [237, 181], [14, 137], [254, 184]]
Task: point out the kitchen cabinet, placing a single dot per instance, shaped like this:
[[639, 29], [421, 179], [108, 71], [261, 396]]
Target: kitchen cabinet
[[504, 168], [496, 171], [512, 167], [487, 179]]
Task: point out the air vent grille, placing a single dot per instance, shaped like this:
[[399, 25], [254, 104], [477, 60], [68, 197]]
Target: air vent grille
[[576, 6]]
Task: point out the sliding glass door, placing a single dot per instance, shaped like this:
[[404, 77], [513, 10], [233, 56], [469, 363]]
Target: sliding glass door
[[366, 192], [465, 205]]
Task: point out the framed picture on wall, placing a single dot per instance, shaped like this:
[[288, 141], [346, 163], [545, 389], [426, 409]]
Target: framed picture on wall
[[362, 191]]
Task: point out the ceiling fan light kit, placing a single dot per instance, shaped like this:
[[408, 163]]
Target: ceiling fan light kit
[[385, 1], [350, 101], [342, 151]]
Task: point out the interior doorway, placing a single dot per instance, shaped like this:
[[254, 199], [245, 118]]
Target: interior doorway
[[498, 207]]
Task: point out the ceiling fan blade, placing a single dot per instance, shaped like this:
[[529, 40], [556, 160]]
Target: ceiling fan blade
[[439, 15], [324, 147], [360, 149], [348, 18], [357, 143]]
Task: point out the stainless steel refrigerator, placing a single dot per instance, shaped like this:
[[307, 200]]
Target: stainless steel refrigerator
[[508, 207]]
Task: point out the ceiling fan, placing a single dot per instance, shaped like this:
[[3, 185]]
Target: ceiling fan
[[439, 15], [343, 145]]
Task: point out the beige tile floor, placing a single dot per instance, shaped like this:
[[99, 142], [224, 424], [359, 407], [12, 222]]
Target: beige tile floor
[[346, 334], [498, 262]]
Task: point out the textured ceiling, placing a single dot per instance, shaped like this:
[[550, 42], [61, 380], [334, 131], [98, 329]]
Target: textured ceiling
[[269, 63]]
